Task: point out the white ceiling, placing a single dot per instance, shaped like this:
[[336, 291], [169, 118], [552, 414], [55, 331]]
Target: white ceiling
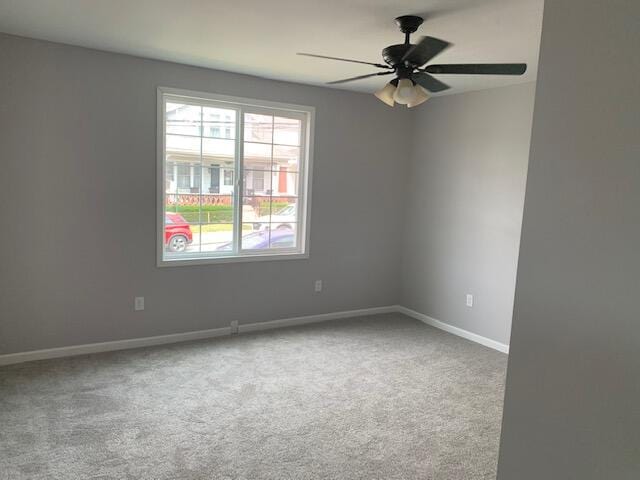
[[261, 37]]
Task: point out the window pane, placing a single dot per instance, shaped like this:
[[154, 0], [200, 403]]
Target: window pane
[[286, 158], [187, 179], [263, 236], [216, 237], [255, 236], [217, 179], [256, 209], [285, 184], [219, 150], [178, 232], [257, 182], [257, 156], [181, 144], [286, 131], [284, 213], [218, 122], [183, 119], [258, 128], [283, 237], [216, 209]]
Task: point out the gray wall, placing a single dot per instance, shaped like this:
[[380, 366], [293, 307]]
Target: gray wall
[[465, 195], [77, 189], [572, 408]]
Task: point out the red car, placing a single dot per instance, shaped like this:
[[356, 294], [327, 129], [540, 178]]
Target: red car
[[177, 232]]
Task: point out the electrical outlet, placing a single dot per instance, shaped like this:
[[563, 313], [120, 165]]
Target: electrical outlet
[[234, 327], [469, 300], [318, 286], [138, 303]]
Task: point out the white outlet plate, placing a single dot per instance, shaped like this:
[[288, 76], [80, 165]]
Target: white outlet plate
[[138, 303], [469, 300], [317, 286]]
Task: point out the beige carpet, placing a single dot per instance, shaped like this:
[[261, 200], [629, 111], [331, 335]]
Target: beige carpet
[[383, 397]]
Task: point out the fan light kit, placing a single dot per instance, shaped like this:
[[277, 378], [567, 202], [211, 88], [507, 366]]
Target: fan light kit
[[407, 62]]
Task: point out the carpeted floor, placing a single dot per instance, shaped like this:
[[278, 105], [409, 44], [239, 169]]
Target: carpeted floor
[[382, 397]]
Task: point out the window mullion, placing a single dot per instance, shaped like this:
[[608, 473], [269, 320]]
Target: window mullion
[[273, 133], [239, 181], [200, 176], [301, 188]]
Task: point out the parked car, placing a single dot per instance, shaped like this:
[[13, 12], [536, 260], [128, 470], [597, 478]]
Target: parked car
[[177, 232], [283, 219], [283, 238]]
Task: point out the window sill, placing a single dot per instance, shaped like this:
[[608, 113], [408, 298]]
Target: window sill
[[264, 257]]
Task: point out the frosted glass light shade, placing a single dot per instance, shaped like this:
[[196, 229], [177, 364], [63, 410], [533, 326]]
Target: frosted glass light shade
[[385, 94], [421, 96], [405, 93]]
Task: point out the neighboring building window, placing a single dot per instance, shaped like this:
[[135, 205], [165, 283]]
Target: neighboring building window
[[258, 180], [228, 177], [184, 178], [218, 125], [235, 176]]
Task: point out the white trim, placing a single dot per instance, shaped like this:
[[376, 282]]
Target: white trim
[[111, 346], [247, 257], [460, 332], [160, 175], [12, 358], [253, 102], [32, 355], [322, 317]]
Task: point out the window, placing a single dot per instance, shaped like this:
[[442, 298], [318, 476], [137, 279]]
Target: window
[[184, 177], [235, 178], [228, 177]]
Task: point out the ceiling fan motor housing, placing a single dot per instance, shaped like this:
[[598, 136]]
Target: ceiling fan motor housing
[[394, 54]]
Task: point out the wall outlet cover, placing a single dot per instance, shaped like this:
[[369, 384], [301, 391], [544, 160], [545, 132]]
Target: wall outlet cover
[[138, 303], [469, 300]]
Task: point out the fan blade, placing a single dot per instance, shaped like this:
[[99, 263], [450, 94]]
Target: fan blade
[[379, 65], [358, 78], [428, 82], [425, 50], [479, 69]]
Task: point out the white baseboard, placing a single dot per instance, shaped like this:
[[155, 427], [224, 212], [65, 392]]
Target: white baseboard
[[111, 346], [474, 337], [322, 317], [12, 358], [73, 350]]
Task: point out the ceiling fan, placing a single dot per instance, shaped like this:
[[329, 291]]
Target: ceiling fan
[[407, 62]]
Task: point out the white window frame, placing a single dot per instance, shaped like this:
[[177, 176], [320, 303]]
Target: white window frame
[[304, 176]]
